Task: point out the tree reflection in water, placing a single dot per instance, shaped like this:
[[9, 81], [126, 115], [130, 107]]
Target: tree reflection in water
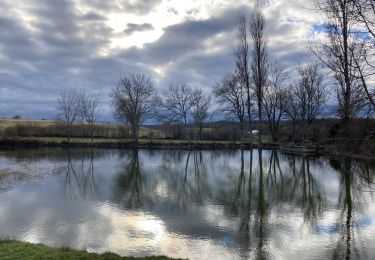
[[250, 204], [355, 177], [129, 186], [79, 181], [253, 193]]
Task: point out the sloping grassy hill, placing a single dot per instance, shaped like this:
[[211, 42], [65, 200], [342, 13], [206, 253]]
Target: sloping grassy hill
[[12, 126]]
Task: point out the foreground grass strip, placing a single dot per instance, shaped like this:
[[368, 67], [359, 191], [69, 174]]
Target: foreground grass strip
[[20, 250]]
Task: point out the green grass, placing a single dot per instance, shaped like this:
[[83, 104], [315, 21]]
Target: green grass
[[21, 250]]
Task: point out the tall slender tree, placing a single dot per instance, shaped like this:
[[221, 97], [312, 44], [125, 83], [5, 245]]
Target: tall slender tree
[[259, 62], [241, 57]]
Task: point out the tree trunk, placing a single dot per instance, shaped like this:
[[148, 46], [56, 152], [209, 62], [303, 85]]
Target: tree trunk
[[135, 131], [248, 109], [92, 133], [347, 92], [69, 132], [260, 121], [241, 131]]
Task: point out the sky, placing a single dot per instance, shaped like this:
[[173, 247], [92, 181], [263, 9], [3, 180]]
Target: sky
[[48, 46]]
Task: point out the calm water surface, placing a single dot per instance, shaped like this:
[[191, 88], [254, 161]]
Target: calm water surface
[[197, 204]]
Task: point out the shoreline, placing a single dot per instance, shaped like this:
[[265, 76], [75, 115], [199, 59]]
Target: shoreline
[[30, 142], [299, 150]]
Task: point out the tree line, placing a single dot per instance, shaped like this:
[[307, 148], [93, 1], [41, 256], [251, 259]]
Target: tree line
[[260, 89]]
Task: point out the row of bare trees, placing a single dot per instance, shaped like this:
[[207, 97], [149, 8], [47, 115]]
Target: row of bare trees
[[79, 106], [260, 87], [181, 101], [136, 100]]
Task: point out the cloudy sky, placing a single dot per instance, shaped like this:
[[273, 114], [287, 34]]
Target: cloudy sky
[[47, 46]]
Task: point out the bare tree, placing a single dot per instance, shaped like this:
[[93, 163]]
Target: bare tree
[[310, 93], [338, 54], [365, 15], [274, 99], [365, 70], [133, 100], [259, 63], [241, 57], [292, 107], [201, 104], [364, 59], [306, 97], [70, 108], [231, 94], [176, 103], [91, 107]]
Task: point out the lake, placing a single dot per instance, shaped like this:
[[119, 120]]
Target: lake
[[189, 204]]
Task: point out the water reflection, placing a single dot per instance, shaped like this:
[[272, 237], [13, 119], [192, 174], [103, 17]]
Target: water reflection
[[80, 181], [352, 205], [255, 204]]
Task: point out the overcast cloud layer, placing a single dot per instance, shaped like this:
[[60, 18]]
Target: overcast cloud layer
[[47, 46]]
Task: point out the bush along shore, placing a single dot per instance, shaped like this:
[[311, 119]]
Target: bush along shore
[[21, 250]]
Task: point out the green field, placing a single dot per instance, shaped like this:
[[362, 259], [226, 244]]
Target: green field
[[12, 123], [20, 250]]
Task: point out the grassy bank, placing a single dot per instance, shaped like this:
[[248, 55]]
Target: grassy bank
[[20, 250]]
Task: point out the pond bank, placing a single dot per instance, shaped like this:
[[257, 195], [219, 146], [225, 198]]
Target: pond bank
[[22, 250], [330, 149], [118, 143]]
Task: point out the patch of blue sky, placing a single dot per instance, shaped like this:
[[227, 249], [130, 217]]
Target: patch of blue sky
[[319, 28], [356, 32]]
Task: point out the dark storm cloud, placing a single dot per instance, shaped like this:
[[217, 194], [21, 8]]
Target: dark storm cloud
[[133, 27]]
